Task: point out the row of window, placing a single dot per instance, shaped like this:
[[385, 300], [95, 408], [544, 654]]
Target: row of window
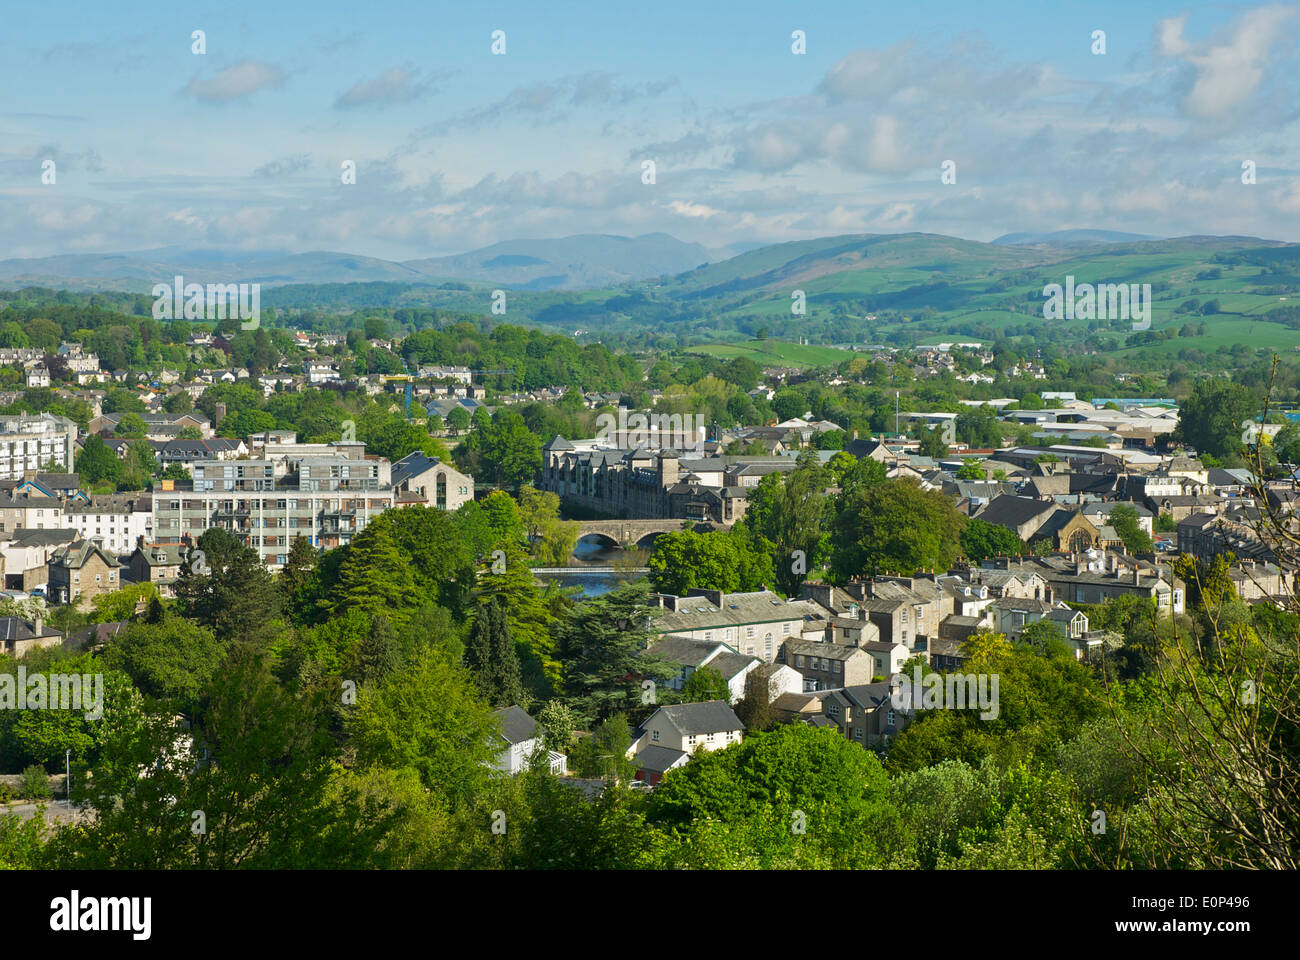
[[818, 663]]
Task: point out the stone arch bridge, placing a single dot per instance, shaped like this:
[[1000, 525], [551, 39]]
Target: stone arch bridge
[[633, 533]]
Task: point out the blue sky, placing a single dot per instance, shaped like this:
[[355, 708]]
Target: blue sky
[[455, 148]]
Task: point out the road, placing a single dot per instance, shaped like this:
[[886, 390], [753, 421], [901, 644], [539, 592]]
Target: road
[[56, 811]]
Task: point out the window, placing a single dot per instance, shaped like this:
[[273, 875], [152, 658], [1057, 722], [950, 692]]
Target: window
[[857, 733], [785, 628], [798, 661], [749, 632], [836, 665], [889, 720], [654, 735]]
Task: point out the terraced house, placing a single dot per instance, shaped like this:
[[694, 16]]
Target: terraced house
[[754, 624], [81, 571]]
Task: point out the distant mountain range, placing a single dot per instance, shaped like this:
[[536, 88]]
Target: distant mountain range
[[567, 263], [1070, 238], [864, 288]]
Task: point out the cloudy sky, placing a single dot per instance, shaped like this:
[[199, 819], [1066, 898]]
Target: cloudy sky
[[456, 147]]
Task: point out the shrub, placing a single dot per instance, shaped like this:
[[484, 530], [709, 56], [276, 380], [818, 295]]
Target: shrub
[[36, 783]]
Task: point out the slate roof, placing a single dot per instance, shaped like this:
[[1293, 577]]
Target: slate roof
[[78, 552], [866, 695], [659, 759], [730, 664], [826, 651], [94, 635], [58, 481], [412, 465], [711, 716], [196, 449], [681, 650], [516, 725], [16, 628], [1011, 511], [29, 537], [738, 609]]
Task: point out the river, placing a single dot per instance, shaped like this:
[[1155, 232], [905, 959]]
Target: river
[[590, 553]]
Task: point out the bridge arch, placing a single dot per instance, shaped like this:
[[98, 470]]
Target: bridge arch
[[633, 533], [596, 537]]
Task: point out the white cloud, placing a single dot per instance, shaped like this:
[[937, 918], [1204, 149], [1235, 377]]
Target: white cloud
[[236, 82]]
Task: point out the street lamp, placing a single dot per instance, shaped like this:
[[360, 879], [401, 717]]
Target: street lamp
[[67, 782]]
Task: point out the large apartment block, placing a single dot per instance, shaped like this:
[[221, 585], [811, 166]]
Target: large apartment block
[[326, 499], [30, 442]]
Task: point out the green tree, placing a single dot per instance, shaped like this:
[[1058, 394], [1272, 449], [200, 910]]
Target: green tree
[[175, 659], [121, 604], [262, 789], [298, 573], [1213, 417], [791, 513], [530, 617], [429, 719], [458, 419], [1124, 518], [558, 725], [492, 657], [224, 585], [376, 577], [180, 402], [604, 753], [897, 527], [933, 444], [982, 539], [717, 560], [601, 644], [131, 425], [739, 806], [705, 684], [97, 462]]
